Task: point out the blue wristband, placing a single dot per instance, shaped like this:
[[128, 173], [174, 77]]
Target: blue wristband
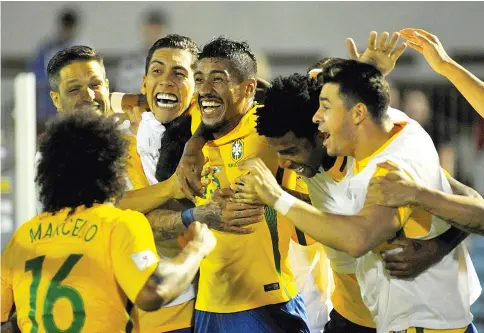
[[187, 217]]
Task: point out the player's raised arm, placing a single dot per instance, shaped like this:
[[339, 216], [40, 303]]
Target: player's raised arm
[[430, 47], [394, 190]]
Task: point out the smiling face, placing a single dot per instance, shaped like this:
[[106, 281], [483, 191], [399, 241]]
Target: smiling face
[[220, 95], [169, 84], [297, 154], [335, 122], [82, 87]]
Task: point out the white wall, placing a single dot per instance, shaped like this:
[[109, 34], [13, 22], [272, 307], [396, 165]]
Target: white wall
[[112, 27]]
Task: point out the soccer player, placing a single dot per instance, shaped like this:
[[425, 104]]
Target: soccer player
[[294, 136], [79, 264], [247, 284], [353, 119]]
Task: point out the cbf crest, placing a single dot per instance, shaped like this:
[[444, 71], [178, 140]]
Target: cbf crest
[[237, 149]]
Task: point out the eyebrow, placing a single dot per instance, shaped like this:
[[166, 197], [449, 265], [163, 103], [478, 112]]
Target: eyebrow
[[213, 71], [324, 99], [157, 62], [93, 77]]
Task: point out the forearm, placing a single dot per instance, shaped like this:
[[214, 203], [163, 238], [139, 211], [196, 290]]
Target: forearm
[[335, 231], [128, 101], [146, 199], [468, 85], [465, 213], [166, 224], [195, 144], [450, 239], [172, 277]]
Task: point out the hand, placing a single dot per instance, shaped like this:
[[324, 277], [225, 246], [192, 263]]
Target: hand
[[223, 215], [200, 236], [244, 191], [415, 256], [133, 114], [236, 214], [260, 180], [429, 45], [395, 189], [189, 170], [383, 55]]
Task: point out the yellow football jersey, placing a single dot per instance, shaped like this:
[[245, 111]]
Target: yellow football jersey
[[244, 271], [78, 272]]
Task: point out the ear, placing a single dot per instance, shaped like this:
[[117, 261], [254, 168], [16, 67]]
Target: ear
[[359, 113], [250, 88], [107, 83], [54, 95], [143, 85]]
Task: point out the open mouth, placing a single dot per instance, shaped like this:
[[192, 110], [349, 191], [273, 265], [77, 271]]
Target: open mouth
[[166, 101], [325, 137], [209, 106]]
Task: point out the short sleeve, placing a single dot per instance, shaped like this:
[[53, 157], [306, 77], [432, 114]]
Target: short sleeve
[[133, 252], [6, 280]]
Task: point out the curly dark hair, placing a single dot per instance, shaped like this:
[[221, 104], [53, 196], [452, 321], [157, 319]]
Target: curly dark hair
[[173, 41], [289, 106], [66, 57], [83, 157], [359, 83], [241, 58]]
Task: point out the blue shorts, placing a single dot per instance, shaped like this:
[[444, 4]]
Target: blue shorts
[[275, 318]]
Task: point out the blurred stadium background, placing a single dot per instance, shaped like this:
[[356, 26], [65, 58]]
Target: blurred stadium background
[[287, 37]]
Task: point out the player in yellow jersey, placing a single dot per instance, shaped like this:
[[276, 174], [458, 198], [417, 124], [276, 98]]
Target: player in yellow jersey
[[247, 285], [78, 265], [354, 120]]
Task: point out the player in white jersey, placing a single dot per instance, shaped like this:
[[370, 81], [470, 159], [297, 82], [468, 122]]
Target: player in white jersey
[[353, 118], [294, 139]]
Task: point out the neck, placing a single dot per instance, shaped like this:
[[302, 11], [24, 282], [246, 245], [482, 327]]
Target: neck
[[371, 137], [230, 124]]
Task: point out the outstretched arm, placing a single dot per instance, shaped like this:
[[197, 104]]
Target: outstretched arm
[[430, 47]]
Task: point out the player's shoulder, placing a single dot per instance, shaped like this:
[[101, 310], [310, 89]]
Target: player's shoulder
[[116, 215], [21, 238], [127, 218]]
